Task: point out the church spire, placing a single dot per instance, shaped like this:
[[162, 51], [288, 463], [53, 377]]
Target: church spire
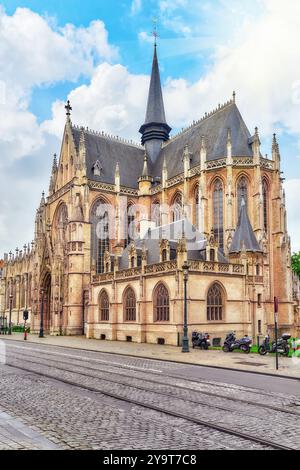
[[155, 130]]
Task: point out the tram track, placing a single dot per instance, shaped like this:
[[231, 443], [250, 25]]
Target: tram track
[[144, 376], [178, 387], [142, 402]]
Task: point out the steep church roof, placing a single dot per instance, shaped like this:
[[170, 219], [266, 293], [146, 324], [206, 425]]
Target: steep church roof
[[110, 151], [214, 129], [244, 238]]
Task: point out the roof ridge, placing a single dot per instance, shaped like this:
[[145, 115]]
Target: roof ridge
[[107, 136], [195, 123]]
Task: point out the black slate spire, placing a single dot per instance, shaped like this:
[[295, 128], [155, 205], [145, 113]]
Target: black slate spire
[[244, 238], [155, 130]]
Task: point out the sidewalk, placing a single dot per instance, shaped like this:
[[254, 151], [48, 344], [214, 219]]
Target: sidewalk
[[245, 362], [15, 435]]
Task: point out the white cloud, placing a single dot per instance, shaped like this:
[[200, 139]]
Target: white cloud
[[136, 7], [172, 14], [34, 53], [260, 66], [114, 101]]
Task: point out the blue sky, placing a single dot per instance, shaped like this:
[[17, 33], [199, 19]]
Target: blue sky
[[102, 60]]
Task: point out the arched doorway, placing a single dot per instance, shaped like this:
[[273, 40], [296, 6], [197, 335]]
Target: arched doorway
[[46, 287]]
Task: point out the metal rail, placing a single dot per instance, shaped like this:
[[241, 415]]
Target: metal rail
[[157, 382], [195, 420]]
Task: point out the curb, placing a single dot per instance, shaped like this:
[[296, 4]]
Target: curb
[[269, 374]]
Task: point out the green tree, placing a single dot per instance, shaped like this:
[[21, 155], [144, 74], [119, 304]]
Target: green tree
[[296, 263]]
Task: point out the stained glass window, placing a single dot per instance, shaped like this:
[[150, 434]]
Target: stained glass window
[[218, 213], [161, 303], [215, 303], [130, 305], [104, 306], [242, 192], [99, 236]]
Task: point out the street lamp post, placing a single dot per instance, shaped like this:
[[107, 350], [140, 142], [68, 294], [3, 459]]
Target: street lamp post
[[10, 309], [185, 339], [276, 329], [41, 335]]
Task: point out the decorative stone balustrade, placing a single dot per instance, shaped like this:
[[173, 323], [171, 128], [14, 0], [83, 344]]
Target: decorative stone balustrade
[[161, 267]]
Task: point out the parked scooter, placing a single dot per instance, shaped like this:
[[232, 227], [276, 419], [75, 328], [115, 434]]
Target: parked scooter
[[231, 343], [282, 345], [200, 340]]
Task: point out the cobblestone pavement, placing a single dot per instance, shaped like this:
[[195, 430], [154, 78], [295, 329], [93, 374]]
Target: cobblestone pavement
[[84, 417]]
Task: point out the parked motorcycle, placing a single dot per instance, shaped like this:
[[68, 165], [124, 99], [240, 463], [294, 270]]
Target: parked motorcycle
[[282, 345], [200, 340], [231, 343]]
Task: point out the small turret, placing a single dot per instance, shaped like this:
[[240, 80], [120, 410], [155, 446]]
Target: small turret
[[255, 142], [203, 153], [117, 178], [186, 161], [229, 147], [276, 153], [164, 174]]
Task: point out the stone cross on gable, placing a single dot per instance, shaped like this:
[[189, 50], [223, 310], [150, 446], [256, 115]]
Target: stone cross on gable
[[68, 108]]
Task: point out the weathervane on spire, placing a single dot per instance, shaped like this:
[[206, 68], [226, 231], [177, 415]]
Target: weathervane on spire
[[155, 33], [68, 108]]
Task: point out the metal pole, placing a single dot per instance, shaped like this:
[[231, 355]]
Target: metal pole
[[41, 335], [276, 329], [185, 339], [10, 309]]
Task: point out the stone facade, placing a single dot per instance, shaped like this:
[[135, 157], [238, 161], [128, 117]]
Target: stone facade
[[64, 271]]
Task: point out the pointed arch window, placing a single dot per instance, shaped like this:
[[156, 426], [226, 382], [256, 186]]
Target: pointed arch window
[[60, 225], [218, 213], [130, 305], [161, 304], [265, 204], [99, 235], [14, 293], [22, 293], [215, 307], [156, 213], [29, 288], [104, 306], [177, 210], [242, 193]]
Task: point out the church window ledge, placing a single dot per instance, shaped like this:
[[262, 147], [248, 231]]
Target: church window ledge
[[64, 189]]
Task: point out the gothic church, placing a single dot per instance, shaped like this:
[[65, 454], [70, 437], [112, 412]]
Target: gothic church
[[121, 219]]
